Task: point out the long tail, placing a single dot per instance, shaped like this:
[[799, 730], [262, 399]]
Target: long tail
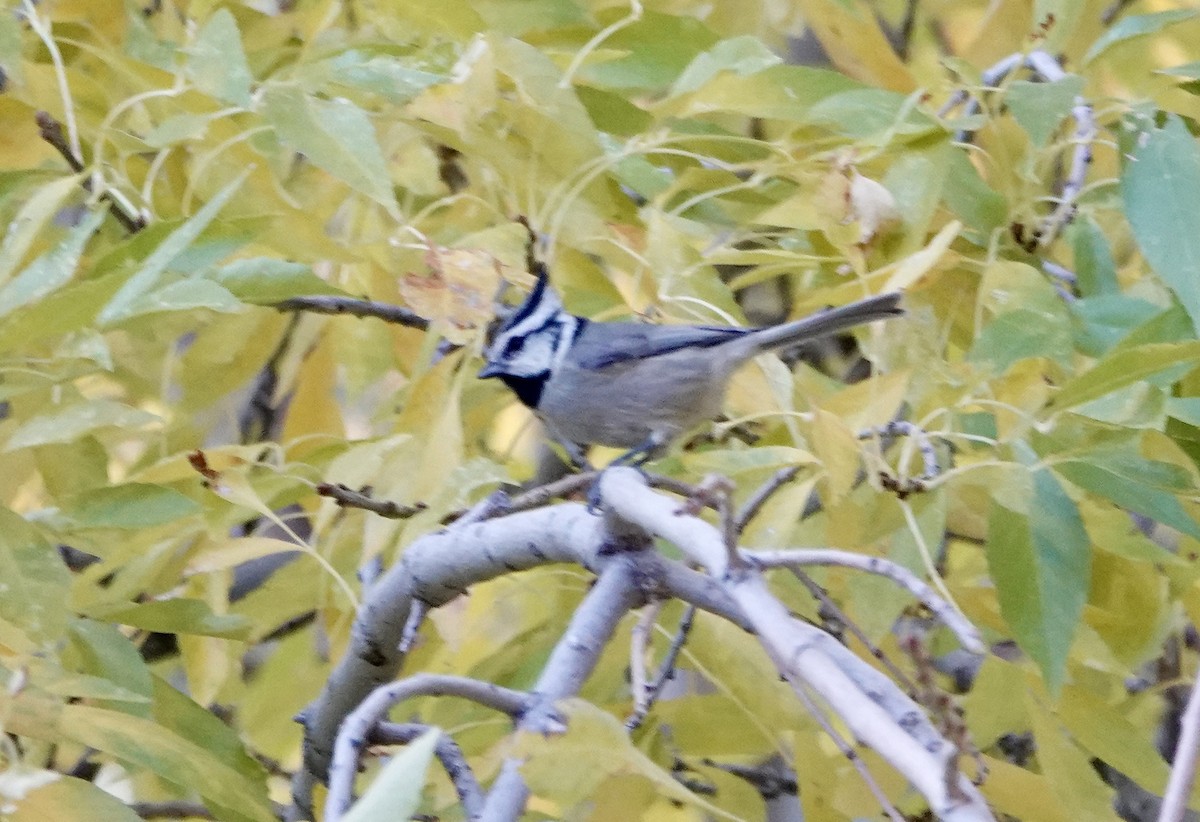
[[823, 323]]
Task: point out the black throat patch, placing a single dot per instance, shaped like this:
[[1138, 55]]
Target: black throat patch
[[527, 389]]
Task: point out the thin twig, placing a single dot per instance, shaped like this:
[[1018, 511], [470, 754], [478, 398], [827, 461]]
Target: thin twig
[[327, 304], [847, 750], [763, 493], [1045, 67], [346, 497], [52, 132], [357, 727], [716, 492], [967, 633], [639, 647], [171, 809], [542, 494], [946, 714], [675, 486], [449, 754], [897, 428], [666, 671], [822, 596], [769, 777]]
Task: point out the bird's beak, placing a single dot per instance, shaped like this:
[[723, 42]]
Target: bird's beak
[[490, 370]]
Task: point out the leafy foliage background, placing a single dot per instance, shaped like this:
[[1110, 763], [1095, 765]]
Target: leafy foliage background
[[383, 150]]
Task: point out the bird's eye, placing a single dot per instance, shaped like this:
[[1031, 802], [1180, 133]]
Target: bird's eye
[[513, 345]]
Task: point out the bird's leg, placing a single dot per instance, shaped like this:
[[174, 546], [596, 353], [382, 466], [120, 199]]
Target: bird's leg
[[643, 452], [635, 457], [575, 452]]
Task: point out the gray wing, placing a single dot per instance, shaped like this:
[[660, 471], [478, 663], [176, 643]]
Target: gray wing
[[603, 344]]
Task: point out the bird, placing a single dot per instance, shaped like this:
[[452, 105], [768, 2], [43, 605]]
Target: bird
[[635, 385]]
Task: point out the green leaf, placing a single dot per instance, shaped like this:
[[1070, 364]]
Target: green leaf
[[31, 220], [148, 745], [653, 50], [1185, 409], [216, 62], [868, 112], [68, 309], [1039, 559], [33, 580], [74, 421], [1040, 107], [1094, 264], [182, 616], [69, 798], [142, 43], [1105, 320], [388, 76], [269, 280], [518, 17], [1104, 731], [101, 650], [132, 505], [11, 47], [1016, 335], [1189, 70], [185, 295], [1137, 25], [335, 135], [179, 714], [782, 92], [84, 686], [972, 200], [177, 129], [50, 271], [1124, 367], [742, 55], [396, 791], [1161, 190], [172, 247], [1135, 483]]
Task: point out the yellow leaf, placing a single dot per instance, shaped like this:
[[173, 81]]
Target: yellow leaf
[[1023, 794], [1127, 606], [872, 402], [314, 408], [600, 749], [855, 43], [837, 447], [912, 268], [1069, 775]]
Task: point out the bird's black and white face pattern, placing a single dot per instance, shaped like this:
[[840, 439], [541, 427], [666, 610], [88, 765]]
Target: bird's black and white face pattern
[[533, 343]]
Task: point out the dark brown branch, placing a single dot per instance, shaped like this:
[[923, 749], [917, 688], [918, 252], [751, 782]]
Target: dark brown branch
[[348, 498], [171, 809], [52, 132], [327, 304]]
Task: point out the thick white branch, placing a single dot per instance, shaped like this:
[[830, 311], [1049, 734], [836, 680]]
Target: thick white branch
[[798, 650], [950, 616]]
